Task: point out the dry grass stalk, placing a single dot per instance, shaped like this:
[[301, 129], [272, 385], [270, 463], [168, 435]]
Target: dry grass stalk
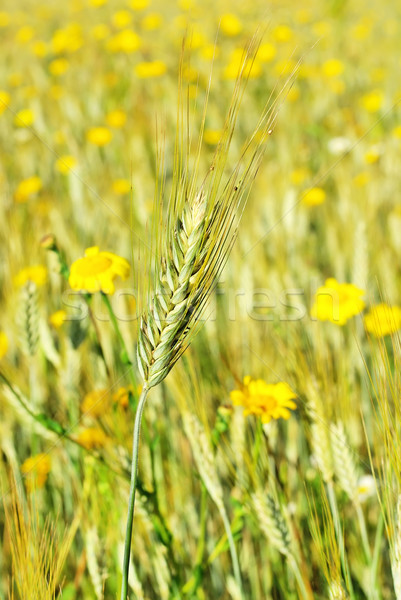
[[38, 555]]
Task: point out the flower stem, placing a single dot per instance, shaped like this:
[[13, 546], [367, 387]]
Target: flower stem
[[131, 501]]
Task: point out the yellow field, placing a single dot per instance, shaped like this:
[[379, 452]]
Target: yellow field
[[270, 454]]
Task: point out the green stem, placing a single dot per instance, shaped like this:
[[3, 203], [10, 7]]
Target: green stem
[[364, 532], [131, 501], [377, 551], [340, 537], [298, 576], [257, 444], [233, 551]]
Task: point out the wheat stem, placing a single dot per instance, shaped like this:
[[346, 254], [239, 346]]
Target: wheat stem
[[131, 501], [233, 551], [338, 529]]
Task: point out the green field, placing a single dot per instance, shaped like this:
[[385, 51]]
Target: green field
[[202, 199]]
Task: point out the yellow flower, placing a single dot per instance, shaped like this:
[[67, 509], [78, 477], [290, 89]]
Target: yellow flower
[[252, 69], [139, 4], [100, 31], [122, 18], [37, 274], [266, 52], [152, 22], [96, 271], [4, 19], [56, 91], [265, 400], [332, 67], [121, 396], [3, 344], [99, 136], [24, 34], [65, 163], [396, 131], [39, 48], [284, 67], [373, 101], [67, 40], [121, 187], [116, 118], [293, 94], [145, 70], [58, 66], [383, 320], [27, 188], [36, 469], [92, 437], [230, 25], [15, 79], [209, 51], [362, 30], [95, 403], [337, 302], [372, 155], [361, 179], [212, 136], [126, 41], [314, 196], [300, 175], [282, 33], [24, 118], [4, 101], [58, 318], [322, 28]]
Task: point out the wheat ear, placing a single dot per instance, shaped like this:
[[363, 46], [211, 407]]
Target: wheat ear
[[201, 227], [164, 327]]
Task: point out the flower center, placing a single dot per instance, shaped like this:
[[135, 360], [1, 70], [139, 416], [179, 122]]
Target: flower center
[[264, 402], [94, 265]]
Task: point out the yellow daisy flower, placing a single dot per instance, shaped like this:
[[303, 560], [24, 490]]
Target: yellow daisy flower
[[147, 70], [337, 302], [37, 274], [36, 469], [121, 396], [99, 136], [92, 437], [66, 163], [265, 400], [96, 271], [383, 320], [27, 188], [95, 403], [57, 318], [313, 197]]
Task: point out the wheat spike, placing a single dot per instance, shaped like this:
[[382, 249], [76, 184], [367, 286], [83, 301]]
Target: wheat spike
[[320, 434], [344, 463], [204, 458], [29, 318], [272, 522], [336, 591], [165, 324], [202, 221]]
